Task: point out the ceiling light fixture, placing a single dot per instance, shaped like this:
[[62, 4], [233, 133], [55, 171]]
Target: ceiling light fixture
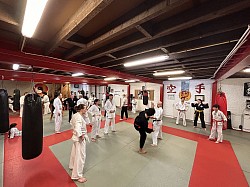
[[15, 66], [130, 81], [146, 61], [32, 16], [77, 74], [246, 70], [110, 79], [169, 73], [179, 78]]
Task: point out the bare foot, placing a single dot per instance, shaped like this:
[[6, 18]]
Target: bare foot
[[93, 139], [160, 138], [153, 145], [82, 180], [98, 136]]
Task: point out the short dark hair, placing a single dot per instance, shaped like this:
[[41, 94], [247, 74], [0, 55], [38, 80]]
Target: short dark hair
[[96, 100], [216, 106], [110, 94], [80, 107], [150, 111], [199, 100]]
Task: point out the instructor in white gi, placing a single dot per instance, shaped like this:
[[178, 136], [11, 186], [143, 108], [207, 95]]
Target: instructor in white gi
[[58, 113], [157, 124], [110, 115], [78, 152]]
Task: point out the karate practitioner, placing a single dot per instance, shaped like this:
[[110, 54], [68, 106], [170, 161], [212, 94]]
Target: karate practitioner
[[84, 102], [13, 131], [199, 112], [72, 101], [91, 100], [11, 104], [124, 107], [58, 113], [141, 125], [134, 103], [78, 152], [95, 111], [157, 124], [218, 119], [22, 103], [103, 99], [182, 108], [110, 114], [46, 103]]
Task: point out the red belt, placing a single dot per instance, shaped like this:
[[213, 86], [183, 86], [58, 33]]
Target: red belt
[[216, 122]]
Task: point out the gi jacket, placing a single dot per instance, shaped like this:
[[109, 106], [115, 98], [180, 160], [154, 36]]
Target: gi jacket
[[110, 105], [200, 106], [95, 111], [79, 127], [141, 123]]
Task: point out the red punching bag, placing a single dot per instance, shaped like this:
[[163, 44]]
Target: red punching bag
[[221, 100]]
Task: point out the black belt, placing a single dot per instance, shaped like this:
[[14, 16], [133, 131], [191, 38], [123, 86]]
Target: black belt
[[157, 120]]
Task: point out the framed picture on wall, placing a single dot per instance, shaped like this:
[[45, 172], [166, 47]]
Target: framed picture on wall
[[202, 97], [76, 85]]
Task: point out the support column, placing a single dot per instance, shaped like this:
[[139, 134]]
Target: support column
[[128, 96], [214, 93]]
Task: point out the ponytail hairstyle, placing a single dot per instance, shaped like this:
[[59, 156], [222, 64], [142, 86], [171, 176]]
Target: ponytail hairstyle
[[96, 100], [80, 107], [11, 126]]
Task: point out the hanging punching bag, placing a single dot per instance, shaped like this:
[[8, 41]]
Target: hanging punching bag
[[145, 97], [221, 100], [32, 131], [16, 103], [4, 111]]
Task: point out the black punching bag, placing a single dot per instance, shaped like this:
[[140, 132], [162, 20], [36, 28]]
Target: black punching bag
[[32, 131], [16, 103], [4, 111], [145, 97]]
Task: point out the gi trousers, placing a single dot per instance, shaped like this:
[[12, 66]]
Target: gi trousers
[[219, 132], [58, 121], [201, 114], [183, 115], [157, 127], [107, 122], [124, 110]]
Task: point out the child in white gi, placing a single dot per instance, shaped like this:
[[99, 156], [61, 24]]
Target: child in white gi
[[78, 152], [95, 111], [13, 131], [182, 108], [134, 103], [218, 119], [110, 115], [157, 124], [58, 113]]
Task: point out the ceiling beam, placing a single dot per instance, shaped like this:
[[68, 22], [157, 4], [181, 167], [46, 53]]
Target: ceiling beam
[[143, 17], [9, 57], [75, 43], [205, 29], [6, 14], [86, 12], [143, 31]]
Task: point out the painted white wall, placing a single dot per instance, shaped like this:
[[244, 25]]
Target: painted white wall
[[169, 105], [119, 90], [10, 86], [84, 87], [236, 101], [148, 86]]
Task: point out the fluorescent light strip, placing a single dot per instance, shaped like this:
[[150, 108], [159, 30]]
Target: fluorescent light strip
[[179, 78], [130, 81], [169, 73], [15, 66], [77, 74], [146, 61], [33, 13], [110, 79], [246, 70]]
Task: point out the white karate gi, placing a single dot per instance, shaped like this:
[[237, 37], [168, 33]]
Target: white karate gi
[[78, 152], [182, 108], [85, 116], [103, 99], [134, 103], [157, 125], [46, 104], [58, 114], [91, 101], [95, 111], [110, 117], [11, 105], [15, 132], [21, 105], [218, 119]]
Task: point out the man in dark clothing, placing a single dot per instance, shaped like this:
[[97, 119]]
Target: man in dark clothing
[[72, 101], [141, 125], [199, 112]]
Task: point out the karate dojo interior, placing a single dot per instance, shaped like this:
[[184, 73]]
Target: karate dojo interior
[[196, 49]]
